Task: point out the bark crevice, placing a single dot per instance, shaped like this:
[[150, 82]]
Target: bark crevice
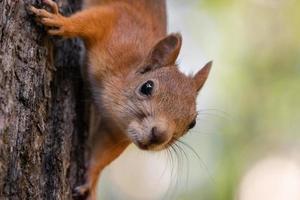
[[42, 128]]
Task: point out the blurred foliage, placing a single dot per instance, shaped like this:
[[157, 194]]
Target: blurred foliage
[[259, 52]]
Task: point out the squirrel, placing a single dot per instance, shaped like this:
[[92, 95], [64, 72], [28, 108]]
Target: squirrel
[[139, 95]]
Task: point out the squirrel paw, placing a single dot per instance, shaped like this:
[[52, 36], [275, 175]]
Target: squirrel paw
[[81, 192], [53, 19]]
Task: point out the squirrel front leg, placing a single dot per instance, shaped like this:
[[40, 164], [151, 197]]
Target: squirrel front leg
[[104, 147], [90, 25], [103, 154], [97, 163]]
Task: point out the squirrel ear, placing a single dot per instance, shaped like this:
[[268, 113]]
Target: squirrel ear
[[164, 53], [202, 75]]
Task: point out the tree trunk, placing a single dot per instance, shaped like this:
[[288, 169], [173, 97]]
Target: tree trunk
[[42, 130]]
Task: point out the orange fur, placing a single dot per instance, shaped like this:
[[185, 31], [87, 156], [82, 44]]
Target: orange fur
[[127, 45]]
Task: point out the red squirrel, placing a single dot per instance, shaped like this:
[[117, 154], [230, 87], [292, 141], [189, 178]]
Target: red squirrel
[[139, 95]]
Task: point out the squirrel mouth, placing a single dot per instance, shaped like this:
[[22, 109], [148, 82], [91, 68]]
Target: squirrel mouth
[[142, 146], [153, 147]]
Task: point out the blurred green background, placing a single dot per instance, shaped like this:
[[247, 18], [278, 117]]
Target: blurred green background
[[248, 110]]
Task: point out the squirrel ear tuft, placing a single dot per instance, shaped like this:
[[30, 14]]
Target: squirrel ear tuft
[[202, 75], [164, 53]]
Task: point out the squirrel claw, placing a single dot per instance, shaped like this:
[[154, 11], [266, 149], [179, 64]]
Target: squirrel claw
[[52, 19], [81, 192], [53, 5], [40, 12]]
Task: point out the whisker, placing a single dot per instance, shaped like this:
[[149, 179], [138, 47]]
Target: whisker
[[203, 164], [187, 162], [202, 132], [177, 156], [215, 110], [165, 152], [215, 115], [170, 163]]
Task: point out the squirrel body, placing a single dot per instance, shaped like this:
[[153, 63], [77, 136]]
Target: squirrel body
[[139, 95]]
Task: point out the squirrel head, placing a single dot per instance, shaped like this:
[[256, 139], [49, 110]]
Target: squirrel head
[[156, 103]]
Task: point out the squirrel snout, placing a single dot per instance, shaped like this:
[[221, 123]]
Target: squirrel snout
[[157, 137], [151, 133]]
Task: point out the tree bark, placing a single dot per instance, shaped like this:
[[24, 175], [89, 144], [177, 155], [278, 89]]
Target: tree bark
[[42, 129]]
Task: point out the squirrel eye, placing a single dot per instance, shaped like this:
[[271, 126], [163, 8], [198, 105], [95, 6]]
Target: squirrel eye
[[192, 124], [147, 88]]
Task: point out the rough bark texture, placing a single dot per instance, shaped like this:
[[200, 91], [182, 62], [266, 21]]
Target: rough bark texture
[[42, 133]]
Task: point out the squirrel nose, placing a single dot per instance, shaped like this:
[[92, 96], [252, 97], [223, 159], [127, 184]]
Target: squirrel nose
[[157, 137]]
